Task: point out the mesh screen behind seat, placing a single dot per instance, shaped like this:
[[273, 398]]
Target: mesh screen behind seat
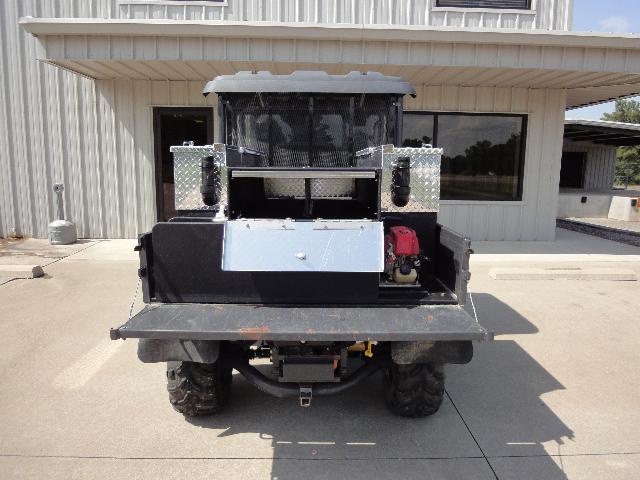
[[306, 130]]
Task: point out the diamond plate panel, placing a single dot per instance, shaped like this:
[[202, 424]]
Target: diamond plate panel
[[425, 177], [283, 187], [188, 175], [320, 187]]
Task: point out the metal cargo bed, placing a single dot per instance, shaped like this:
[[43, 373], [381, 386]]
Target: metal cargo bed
[[292, 323]]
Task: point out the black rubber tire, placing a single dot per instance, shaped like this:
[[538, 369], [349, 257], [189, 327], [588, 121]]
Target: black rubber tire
[[414, 390], [198, 389]]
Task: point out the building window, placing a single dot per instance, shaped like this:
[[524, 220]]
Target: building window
[[418, 129], [502, 4], [483, 155]]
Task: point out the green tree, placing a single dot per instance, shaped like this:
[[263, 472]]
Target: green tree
[[628, 165]]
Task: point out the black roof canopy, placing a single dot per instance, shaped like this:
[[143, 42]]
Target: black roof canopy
[[601, 132], [309, 82]]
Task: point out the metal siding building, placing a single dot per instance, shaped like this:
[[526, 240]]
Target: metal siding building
[[544, 14], [588, 170], [93, 129], [593, 199]]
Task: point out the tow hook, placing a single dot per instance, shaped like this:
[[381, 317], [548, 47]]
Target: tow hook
[[368, 352], [306, 392]]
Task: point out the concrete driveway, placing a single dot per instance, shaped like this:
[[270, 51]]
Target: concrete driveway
[[554, 397]]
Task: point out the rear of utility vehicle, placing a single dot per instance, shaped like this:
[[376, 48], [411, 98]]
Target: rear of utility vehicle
[[310, 238]]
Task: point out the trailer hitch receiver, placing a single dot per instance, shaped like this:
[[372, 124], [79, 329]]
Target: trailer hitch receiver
[[306, 392]]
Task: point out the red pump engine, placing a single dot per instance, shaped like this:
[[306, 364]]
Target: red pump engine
[[405, 241], [402, 251]]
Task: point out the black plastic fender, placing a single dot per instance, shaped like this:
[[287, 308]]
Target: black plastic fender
[[154, 350], [405, 353]]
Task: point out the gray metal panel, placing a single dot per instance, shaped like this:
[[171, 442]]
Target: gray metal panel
[[256, 322], [425, 177], [304, 246], [308, 82], [187, 175]]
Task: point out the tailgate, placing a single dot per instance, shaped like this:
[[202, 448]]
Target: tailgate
[[290, 323]]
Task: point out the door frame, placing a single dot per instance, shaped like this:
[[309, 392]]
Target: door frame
[[158, 112]]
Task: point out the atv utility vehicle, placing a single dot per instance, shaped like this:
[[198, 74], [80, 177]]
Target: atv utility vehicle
[[309, 239]]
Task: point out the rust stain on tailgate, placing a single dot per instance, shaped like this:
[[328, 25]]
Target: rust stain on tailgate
[[254, 333]]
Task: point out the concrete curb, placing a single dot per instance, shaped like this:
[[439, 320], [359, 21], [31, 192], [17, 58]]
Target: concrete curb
[[21, 271], [610, 274]]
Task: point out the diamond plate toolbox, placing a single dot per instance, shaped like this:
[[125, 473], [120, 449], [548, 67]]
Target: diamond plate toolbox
[[425, 176], [187, 175]]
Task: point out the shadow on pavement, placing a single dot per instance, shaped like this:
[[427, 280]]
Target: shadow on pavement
[[499, 394], [353, 435]]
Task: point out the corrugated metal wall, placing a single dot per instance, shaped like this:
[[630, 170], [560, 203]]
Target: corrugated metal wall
[[534, 217], [600, 169], [126, 141], [545, 14], [45, 120]]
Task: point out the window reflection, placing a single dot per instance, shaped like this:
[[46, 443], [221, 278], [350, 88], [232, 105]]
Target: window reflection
[[418, 130], [483, 154]]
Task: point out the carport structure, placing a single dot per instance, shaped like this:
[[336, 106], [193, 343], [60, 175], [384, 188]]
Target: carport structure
[[600, 132]]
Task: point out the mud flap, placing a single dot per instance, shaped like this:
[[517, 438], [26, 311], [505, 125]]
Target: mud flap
[[153, 350], [405, 353]]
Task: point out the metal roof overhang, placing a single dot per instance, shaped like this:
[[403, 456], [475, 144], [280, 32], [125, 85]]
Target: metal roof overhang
[[602, 133], [593, 68]]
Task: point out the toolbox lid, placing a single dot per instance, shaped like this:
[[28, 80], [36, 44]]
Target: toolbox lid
[[303, 246]]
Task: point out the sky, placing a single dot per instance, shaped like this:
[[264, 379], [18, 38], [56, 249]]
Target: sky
[[617, 16]]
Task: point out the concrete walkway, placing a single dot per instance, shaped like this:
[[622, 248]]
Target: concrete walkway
[[568, 248], [631, 227], [34, 252], [554, 397]]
